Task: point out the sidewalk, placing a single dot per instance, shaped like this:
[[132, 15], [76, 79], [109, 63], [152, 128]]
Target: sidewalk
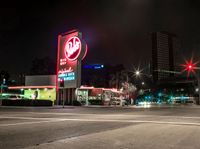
[[103, 106], [132, 106]]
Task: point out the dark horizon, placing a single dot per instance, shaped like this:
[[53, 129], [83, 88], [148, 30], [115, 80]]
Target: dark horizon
[[116, 32]]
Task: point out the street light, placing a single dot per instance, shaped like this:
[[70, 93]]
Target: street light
[[137, 73]]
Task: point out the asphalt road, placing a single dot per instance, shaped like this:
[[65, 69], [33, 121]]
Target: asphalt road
[[94, 127]]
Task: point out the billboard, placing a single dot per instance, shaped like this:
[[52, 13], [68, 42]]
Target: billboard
[[71, 50]]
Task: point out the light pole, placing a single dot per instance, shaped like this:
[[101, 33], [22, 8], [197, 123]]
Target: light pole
[[199, 88], [197, 76]]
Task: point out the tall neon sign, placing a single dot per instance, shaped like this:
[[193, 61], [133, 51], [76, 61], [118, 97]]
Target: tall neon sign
[[71, 51]]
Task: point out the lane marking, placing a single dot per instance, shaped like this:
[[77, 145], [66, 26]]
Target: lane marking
[[27, 118], [28, 123], [102, 120], [115, 115]]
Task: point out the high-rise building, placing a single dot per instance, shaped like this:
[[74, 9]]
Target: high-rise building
[[165, 47]]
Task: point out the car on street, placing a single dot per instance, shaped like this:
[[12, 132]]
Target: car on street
[[118, 102]]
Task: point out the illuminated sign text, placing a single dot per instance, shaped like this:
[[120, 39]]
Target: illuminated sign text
[[72, 48], [67, 76]]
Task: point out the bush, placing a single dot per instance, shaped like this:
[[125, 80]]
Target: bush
[[76, 103], [26, 102], [95, 102]]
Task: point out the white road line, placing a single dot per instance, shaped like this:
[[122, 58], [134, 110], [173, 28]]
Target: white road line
[[26, 118], [102, 120], [28, 123], [114, 115]]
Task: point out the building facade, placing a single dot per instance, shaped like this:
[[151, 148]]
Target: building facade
[[165, 47]]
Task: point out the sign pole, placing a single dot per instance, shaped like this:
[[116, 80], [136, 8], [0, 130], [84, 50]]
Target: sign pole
[[63, 97]]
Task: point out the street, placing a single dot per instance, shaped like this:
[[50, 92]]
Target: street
[[175, 127]]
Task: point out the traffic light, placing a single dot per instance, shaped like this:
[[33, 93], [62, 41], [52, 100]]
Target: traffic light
[[189, 66], [62, 82]]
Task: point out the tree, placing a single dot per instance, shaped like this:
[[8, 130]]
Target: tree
[[4, 77], [117, 78], [128, 88]]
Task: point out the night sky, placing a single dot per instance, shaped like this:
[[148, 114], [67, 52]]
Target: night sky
[[116, 31]]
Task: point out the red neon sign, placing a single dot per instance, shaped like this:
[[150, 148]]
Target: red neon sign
[[86, 50], [72, 48], [65, 70]]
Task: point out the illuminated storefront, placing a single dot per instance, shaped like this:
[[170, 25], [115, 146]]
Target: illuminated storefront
[[37, 92], [97, 96], [38, 87]]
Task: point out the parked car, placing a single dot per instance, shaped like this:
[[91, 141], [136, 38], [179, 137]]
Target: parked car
[[11, 96], [118, 102]]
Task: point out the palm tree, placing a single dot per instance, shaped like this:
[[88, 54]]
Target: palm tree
[[118, 78]]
